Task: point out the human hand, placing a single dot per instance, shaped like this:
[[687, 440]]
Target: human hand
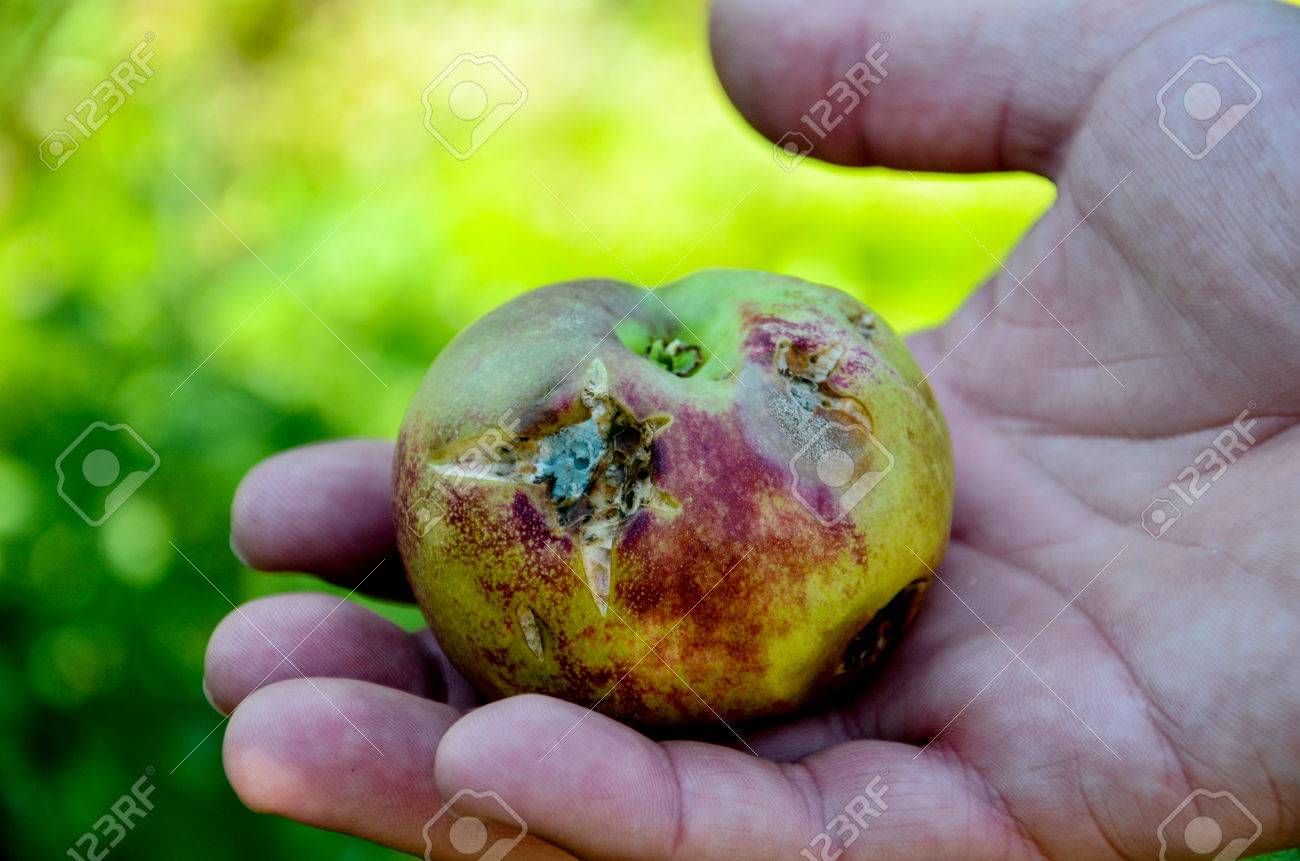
[[1071, 679]]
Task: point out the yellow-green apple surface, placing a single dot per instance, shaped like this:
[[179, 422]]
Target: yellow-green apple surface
[[720, 498]]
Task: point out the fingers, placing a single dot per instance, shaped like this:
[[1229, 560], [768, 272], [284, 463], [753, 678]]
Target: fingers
[[992, 85], [325, 509], [605, 791], [353, 757], [317, 635]]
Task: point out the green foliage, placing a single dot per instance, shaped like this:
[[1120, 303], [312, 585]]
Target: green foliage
[[140, 283]]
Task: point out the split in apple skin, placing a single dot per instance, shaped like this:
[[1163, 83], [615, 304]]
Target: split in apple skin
[[740, 470]]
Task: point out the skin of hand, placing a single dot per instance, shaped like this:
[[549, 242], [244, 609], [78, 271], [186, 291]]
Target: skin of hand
[[1146, 668]]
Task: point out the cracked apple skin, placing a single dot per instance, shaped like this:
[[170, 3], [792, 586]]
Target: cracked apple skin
[[715, 505]]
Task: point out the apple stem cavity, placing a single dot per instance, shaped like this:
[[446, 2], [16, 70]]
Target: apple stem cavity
[[675, 357]]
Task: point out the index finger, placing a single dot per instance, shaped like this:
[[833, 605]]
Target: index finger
[[325, 509]]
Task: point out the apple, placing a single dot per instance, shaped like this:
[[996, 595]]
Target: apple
[[720, 498]]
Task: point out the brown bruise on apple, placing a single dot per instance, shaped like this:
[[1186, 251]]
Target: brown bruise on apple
[[879, 636]]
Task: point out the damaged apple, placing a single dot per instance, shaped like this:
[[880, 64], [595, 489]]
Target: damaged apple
[[720, 498]]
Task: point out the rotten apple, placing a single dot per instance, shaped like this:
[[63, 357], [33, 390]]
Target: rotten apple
[[723, 497]]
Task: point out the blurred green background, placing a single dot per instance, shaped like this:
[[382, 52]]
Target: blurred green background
[[125, 299]]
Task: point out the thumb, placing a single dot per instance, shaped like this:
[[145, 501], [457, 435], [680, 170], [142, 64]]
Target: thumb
[[979, 86]]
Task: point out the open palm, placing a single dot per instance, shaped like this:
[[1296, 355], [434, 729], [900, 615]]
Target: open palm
[[1092, 655]]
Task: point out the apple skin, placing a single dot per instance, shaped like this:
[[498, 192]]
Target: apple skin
[[757, 592]]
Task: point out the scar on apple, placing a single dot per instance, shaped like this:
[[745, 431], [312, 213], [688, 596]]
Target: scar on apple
[[536, 632], [878, 636], [599, 473], [808, 377], [865, 323]]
